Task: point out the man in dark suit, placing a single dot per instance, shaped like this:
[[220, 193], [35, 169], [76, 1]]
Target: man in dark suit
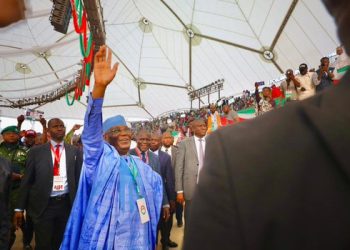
[[189, 162], [168, 176], [5, 188], [171, 149], [293, 191], [49, 186], [143, 139]]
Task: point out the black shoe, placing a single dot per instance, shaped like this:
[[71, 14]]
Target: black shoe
[[172, 244], [180, 224], [27, 247], [165, 247]]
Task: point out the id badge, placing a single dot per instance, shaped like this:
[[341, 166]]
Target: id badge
[[58, 183], [143, 212]]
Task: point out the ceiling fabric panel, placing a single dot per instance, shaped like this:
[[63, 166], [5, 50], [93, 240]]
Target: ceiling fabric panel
[[306, 38], [151, 41]]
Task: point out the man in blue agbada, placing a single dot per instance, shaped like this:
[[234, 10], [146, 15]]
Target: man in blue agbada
[[119, 198]]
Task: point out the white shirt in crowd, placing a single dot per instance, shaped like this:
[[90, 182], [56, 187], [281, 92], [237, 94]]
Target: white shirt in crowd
[[306, 83], [164, 149], [340, 62]]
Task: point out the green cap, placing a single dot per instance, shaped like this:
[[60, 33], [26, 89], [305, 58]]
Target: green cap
[[10, 129]]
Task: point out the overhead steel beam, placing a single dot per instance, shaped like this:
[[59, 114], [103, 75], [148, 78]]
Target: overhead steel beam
[[148, 112], [47, 61], [164, 85], [190, 61], [94, 13], [277, 66], [121, 105], [284, 23], [121, 61], [139, 93], [229, 43], [174, 13]]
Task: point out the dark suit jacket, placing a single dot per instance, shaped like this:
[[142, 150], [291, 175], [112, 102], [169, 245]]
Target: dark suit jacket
[[281, 181], [155, 165], [5, 188], [167, 174], [37, 183]]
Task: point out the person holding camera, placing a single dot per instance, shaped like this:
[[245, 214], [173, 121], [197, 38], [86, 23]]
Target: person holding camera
[[307, 87], [323, 77], [289, 86]]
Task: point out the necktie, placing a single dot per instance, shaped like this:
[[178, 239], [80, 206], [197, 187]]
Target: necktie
[[144, 157], [56, 165], [166, 150], [200, 154]]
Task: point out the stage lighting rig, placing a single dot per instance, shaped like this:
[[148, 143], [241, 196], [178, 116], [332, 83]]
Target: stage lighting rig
[[60, 15], [211, 88]]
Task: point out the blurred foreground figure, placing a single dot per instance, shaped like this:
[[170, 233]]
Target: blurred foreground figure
[[5, 188], [11, 11], [119, 198], [293, 191]]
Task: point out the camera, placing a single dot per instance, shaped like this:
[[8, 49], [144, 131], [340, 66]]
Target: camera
[[34, 115], [262, 83]]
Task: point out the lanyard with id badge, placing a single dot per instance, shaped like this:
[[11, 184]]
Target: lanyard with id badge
[[141, 202], [58, 180]]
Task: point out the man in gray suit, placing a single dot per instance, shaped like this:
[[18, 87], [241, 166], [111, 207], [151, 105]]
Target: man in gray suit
[[189, 162], [268, 197]]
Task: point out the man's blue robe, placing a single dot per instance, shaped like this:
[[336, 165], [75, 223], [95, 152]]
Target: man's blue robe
[[104, 213]]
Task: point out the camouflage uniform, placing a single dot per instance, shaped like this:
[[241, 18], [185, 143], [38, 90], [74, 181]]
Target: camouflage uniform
[[17, 155]]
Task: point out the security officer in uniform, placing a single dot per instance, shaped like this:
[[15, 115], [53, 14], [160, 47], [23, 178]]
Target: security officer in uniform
[[11, 150]]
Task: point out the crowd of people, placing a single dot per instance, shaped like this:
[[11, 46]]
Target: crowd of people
[[298, 86], [173, 146], [95, 191]]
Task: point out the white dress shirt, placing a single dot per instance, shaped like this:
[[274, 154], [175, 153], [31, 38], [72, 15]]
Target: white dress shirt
[[306, 82], [200, 165], [164, 150]]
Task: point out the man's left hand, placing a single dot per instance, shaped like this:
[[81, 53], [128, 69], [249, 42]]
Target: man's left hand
[[77, 126], [172, 206], [166, 213]]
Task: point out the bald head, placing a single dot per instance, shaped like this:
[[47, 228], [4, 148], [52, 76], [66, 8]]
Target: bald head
[[156, 140], [199, 128], [143, 138]]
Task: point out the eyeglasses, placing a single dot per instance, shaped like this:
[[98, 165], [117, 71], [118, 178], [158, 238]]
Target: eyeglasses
[[144, 139], [119, 130]]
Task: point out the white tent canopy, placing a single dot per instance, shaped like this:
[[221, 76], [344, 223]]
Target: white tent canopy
[[169, 45]]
